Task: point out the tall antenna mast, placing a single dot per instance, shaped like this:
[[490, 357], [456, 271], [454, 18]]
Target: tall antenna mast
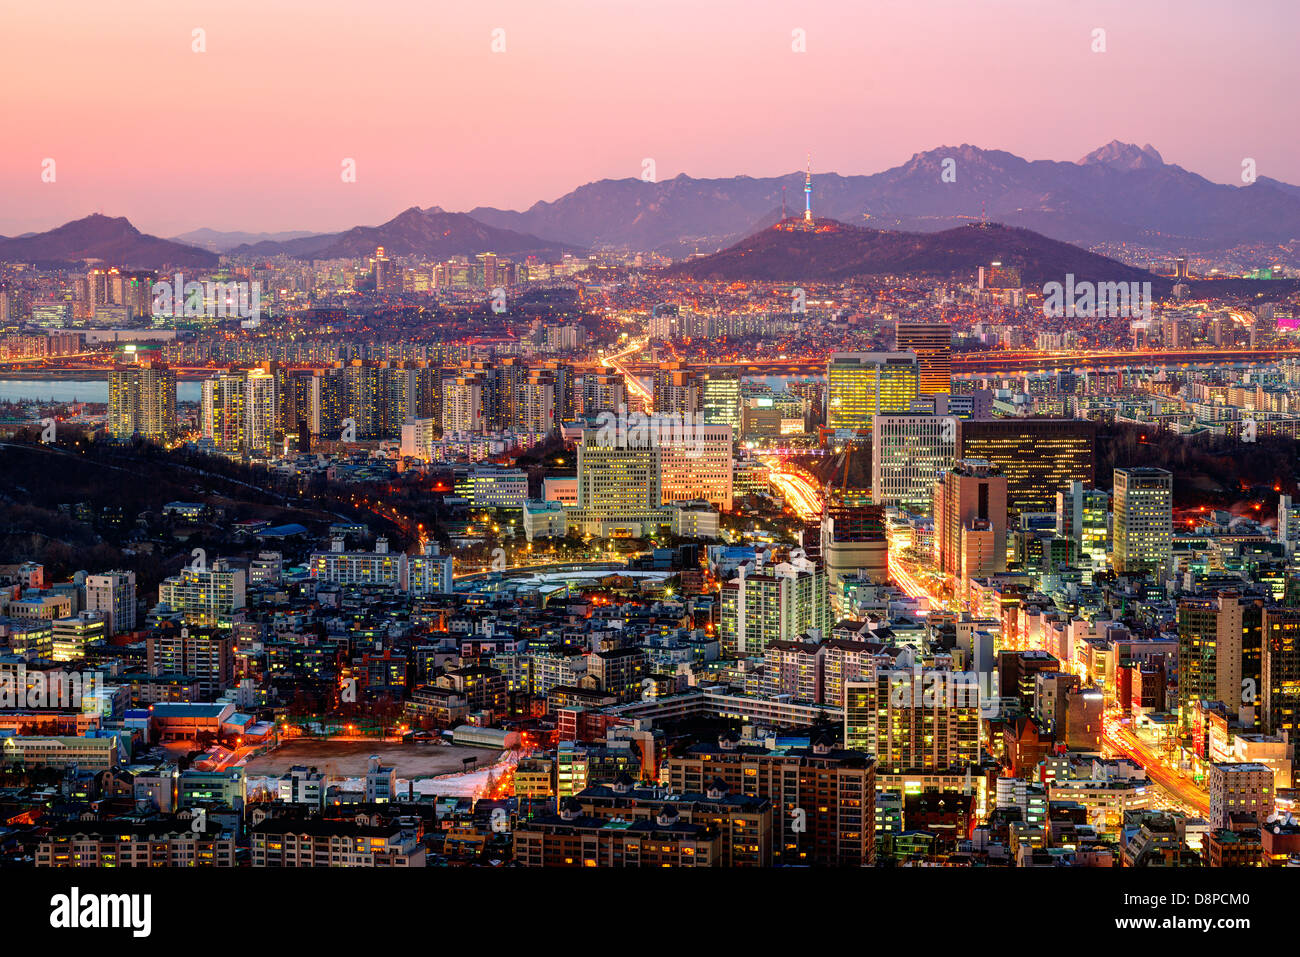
[[807, 192]]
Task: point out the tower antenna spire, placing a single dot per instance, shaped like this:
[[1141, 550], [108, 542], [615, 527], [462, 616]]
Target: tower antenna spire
[[807, 192]]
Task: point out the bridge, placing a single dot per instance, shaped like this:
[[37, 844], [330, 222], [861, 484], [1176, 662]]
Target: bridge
[[974, 363]]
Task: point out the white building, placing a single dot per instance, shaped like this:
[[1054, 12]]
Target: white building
[[113, 595]]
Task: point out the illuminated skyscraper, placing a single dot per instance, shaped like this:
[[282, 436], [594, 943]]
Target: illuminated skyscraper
[[970, 521], [142, 401], [862, 385], [721, 398], [1082, 515], [908, 453], [1143, 521], [1039, 457], [222, 415], [932, 343]]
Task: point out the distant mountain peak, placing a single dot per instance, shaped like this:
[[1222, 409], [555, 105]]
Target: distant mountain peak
[[1124, 156]]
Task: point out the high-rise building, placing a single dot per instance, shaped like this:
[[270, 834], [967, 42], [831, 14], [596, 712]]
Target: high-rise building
[[1083, 516], [676, 391], [112, 594], [932, 343], [142, 401], [462, 404], [776, 605], [363, 398], [908, 454], [1220, 650], [1143, 520], [535, 403], [721, 400], [1039, 457], [601, 392], [1280, 672], [862, 385], [914, 720], [259, 413], [222, 416], [970, 521], [695, 462], [853, 543]]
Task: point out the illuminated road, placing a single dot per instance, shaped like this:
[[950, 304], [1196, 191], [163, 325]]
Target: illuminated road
[[1180, 786], [635, 388], [796, 489]]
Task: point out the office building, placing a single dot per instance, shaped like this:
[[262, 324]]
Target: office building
[[1039, 457], [862, 385], [908, 454], [695, 462], [1143, 520], [932, 344], [970, 521], [1083, 516], [721, 400]]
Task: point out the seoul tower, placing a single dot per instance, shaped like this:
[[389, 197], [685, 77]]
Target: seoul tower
[[807, 193]]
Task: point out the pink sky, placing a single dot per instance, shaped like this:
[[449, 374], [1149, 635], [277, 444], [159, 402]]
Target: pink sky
[[251, 134]]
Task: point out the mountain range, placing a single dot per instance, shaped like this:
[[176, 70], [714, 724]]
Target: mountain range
[[433, 233], [222, 242], [1118, 193]]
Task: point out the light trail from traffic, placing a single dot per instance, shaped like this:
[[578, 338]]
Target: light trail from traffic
[[1178, 785], [796, 488], [635, 387]]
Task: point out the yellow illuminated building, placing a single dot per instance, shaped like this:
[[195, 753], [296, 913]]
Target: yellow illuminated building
[[861, 385]]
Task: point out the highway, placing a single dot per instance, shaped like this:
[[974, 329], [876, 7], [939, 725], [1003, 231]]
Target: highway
[[1182, 788], [796, 488], [635, 388]]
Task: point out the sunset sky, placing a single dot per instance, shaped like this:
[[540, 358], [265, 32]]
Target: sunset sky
[[250, 135]]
